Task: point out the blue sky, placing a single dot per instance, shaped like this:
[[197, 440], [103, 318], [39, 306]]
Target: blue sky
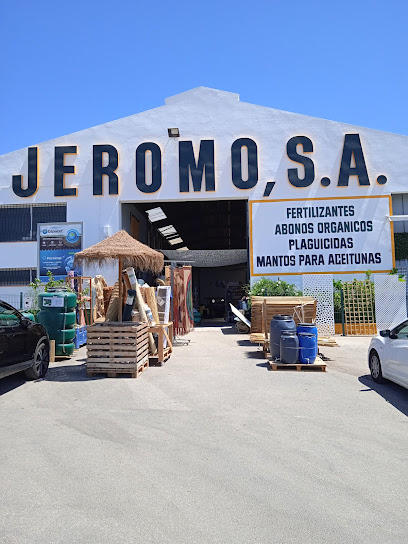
[[66, 66]]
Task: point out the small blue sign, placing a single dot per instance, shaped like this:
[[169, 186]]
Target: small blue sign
[[58, 244]]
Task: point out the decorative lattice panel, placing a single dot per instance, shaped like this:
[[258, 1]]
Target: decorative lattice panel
[[390, 301], [359, 311], [320, 286]]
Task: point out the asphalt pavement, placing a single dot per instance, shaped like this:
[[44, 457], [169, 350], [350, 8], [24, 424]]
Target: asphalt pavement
[[213, 447]]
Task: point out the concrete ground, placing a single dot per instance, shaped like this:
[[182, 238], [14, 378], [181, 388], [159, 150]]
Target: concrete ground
[[210, 448]]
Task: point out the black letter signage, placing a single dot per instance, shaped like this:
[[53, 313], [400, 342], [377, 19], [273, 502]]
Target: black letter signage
[[141, 167], [61, 170], [32, 186], [291, 150], [99, 171], [237, 166], [352, 147], [187, 164]]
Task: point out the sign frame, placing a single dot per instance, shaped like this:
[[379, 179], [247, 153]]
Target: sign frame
[[251, 253], [64, 224]]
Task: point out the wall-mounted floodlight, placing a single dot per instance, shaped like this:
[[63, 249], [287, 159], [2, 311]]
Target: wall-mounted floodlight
[[173, 132]]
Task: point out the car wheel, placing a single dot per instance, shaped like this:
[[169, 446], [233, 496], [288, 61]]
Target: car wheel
[[41, 362], [375, 367]]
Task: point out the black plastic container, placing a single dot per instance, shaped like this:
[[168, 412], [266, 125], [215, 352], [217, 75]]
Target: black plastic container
[[289, 347], [279, 323], [130, 303]]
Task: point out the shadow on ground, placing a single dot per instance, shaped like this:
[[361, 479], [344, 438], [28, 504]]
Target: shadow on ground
[[257, 354], [11, 382], [391, 392], [77, 373], [69, 373], [245, 343], [229, 329], [265, 364], [209, 323]]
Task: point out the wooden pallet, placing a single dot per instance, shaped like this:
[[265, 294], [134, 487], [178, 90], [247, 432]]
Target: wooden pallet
[[257, 338], [117, 348], [154, 359], [114, 370], [326, 341], [318, 365]]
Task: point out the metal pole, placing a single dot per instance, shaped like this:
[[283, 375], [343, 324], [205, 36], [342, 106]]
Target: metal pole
[[406, 286], [342, 311], [120, 293], [172, 267]]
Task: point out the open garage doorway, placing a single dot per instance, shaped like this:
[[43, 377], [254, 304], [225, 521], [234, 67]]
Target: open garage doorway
[[211, 236]]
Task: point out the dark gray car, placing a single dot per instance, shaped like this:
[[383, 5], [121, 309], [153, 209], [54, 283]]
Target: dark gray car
[[24, 345]]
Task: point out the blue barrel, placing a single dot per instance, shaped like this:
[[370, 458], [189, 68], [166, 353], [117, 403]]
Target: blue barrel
[[310, 328], [307, 348], [279, 323], [289, 347]]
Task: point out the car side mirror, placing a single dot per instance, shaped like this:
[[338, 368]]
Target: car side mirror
[[25, 322], [394, 336], [386, 333]]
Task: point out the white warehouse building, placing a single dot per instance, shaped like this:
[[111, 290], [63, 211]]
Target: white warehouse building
[[243, 191]]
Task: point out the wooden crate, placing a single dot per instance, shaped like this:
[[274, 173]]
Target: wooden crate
[[117, 348], [163, 353], [303, 310], [154, 360]]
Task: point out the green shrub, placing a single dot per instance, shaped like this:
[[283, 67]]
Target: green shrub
[[271, 288]]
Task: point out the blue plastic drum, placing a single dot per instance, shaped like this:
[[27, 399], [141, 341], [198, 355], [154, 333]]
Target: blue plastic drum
[[307, 348], [310, 328]]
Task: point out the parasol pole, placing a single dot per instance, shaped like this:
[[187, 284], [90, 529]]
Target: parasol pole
[[120, 293]]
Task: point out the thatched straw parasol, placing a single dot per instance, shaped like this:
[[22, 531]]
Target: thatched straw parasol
[[125, 249]]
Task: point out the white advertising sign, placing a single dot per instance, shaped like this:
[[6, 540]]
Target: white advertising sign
[[53, 302], [308, 236]]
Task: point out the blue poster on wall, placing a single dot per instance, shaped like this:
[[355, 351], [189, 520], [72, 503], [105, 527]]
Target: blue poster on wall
[[57, 245]]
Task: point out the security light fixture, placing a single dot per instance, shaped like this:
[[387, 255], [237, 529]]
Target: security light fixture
[[173, 132]]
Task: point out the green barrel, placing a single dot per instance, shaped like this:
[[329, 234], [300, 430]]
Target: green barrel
[[57, 314]]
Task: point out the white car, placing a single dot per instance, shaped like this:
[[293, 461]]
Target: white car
[[388, 355]]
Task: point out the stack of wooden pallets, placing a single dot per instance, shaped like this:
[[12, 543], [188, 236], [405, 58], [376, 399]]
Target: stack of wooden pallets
[[117, 348], [303, 310]]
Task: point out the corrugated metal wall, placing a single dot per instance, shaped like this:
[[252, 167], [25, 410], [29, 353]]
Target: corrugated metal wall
[[400, 207]]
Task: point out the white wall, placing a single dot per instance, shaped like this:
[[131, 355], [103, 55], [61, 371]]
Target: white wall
[[200, 114], [18, 255]]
